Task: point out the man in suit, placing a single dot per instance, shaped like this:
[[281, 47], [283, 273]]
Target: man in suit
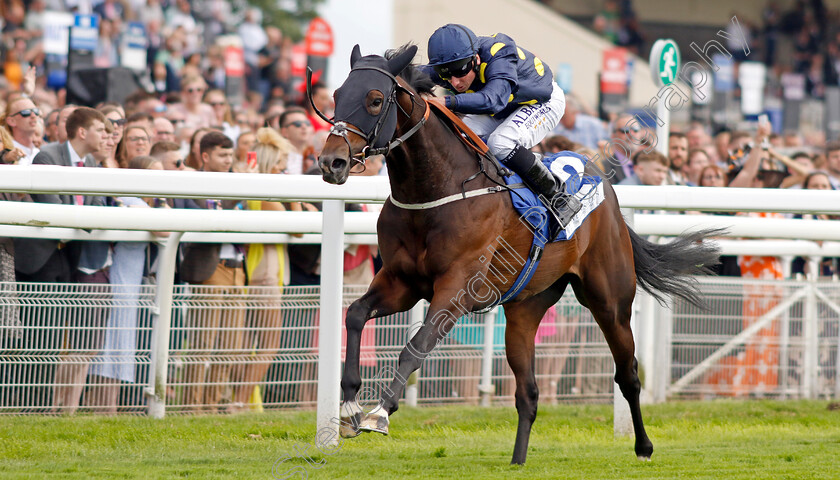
[[51, 260], [217, 329], [55, 261]]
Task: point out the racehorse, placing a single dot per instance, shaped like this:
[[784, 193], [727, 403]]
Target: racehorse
[[446, 247]]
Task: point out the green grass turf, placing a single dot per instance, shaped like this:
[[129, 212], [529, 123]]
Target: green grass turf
[[699, 440]]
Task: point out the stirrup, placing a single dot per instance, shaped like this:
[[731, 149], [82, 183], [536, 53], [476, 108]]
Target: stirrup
[[561, 208], [565, 207]]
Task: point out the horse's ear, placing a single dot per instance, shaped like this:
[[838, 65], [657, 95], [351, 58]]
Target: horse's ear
[[355, 55], [398, 63]]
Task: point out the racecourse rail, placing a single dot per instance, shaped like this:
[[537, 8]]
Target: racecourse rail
[[52, 221]]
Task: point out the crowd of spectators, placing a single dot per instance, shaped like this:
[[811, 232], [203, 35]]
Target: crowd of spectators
[[798, 37], [193, 135], [184, 41], [184, 121], [187, 122], [624, 149], [111, 136]]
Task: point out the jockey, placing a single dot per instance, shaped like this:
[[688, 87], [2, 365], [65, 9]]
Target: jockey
[[510, 99]]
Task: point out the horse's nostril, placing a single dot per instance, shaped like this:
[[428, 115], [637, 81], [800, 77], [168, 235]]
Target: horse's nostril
[[338, 164]]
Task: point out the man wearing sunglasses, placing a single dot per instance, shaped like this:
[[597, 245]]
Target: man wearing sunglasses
[[169, 154], [623, 143], [295, 127], [509, 98], [22, 121]]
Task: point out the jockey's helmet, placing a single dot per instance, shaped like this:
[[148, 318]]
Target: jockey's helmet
[[451, 49]]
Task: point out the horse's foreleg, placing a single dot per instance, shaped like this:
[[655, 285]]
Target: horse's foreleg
[[386, 295], [439, 321]]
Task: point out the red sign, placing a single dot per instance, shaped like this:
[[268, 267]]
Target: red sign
[[298, 60], [234, 61], [614, 71], [319, 38]]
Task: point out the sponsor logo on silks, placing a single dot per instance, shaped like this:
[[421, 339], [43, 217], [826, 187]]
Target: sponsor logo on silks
[[525, 115]]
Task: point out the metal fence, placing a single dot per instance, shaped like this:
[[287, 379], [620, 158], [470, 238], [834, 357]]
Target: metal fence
[[65, 347], [87, 348], [758, 339]]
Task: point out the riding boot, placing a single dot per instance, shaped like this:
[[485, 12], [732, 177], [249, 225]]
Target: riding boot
[[560, 205]]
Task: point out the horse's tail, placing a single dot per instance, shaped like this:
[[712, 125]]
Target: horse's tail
[[667, 268]]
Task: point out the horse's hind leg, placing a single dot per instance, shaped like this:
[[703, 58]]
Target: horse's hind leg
[[609, 296], [523, 319], [387, 294]]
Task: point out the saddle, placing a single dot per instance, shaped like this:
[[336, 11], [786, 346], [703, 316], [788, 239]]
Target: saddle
[[466, 135]]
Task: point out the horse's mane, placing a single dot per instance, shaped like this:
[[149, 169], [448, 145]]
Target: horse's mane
[[415, 77]]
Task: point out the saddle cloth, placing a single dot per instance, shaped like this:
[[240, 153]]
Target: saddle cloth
[[569, 167]]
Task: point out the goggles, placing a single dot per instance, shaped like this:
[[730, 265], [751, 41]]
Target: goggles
[[456, 69]]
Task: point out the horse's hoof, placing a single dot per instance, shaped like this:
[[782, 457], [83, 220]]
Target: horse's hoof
[[644, 450], [375, 421], [349, 420], [349, 426]]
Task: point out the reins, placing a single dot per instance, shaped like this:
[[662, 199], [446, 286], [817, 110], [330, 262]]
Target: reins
[[480, 155], [341, 129]]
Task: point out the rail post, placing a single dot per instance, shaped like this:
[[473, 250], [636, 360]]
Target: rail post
[[784, 333], [646, 343], [418, 313], [810, 332], [156, 391], [622, 421], [661, 369], [329, 330], [486, 388]]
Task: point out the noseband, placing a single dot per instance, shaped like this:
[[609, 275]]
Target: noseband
[[341, 128]]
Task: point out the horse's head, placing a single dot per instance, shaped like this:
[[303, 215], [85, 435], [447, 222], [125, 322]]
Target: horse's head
[[365, 112]]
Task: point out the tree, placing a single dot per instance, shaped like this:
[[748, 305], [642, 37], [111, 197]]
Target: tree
[[290, 16]]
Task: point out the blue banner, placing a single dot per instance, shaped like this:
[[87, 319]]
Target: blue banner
[[135, 35], [133, 48], [725, 75], [84, 34]]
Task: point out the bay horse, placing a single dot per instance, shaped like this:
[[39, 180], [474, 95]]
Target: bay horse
[[440, 246]]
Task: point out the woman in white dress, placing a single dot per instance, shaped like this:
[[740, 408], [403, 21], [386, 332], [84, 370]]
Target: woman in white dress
[[117, 361]]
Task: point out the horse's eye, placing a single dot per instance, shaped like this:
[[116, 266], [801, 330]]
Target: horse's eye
[[377, 102]]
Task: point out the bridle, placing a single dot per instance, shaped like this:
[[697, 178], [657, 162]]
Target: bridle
[[341, 129]]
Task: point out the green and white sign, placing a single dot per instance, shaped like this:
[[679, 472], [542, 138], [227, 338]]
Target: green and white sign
[[664, 61]]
